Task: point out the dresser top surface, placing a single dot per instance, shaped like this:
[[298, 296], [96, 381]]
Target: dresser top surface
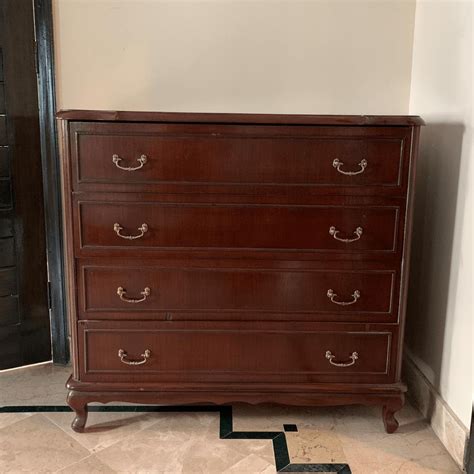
[[227, 118]]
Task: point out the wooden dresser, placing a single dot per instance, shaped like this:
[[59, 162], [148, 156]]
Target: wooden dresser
[[219, 258]]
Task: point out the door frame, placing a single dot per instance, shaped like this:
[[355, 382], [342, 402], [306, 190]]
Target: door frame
[[50, 162]]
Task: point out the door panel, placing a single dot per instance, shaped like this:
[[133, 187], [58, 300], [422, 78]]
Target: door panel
[[24, 312]]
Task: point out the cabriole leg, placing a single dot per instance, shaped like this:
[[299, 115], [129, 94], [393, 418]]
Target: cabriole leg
[[78, 403], [388, 413]]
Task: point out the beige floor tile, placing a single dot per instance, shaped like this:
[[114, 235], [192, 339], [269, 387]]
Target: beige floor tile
[[177, 443], [7, 419], [209, 454], [358, 419], [273, 417], [414, 449], [406, 467], [189, 442], [35, 444], [252, 464], [407, 415], [36, 385], [182, 423], [103, 428], [89, 465], [263, 448], [315, 446]]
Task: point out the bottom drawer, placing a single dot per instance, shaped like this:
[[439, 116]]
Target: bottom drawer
[[187, 352]]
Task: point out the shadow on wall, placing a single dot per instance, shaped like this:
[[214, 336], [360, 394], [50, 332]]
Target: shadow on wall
[[437, 181]]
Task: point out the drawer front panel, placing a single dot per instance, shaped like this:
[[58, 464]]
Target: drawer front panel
[[176, 354], [227, 227], [219, 293], [238, 155]]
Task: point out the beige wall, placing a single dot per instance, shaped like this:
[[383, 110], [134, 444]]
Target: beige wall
[[292, 56], [440, 311]]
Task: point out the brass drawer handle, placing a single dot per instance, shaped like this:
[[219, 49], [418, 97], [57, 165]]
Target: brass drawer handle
[[339, 164], [142, 229], [330, 357], [142, 160], [122, 293], [123, 357], [358, 232], [332, 296]]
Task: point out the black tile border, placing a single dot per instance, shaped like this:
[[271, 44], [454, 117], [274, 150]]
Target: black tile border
[[226, 431]]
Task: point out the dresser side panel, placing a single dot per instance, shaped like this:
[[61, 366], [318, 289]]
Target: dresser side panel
[[405, 259], [68, 236]]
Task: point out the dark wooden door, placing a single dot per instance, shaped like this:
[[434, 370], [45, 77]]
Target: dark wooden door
[[24, 314]]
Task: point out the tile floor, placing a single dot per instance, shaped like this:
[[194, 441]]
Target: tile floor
[[152, 442]]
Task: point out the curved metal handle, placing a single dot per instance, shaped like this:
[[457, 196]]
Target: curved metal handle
[[142, 229], [330, 357], [122, 293], [358, 232], [142, 160], [332, 296], [339, 164], [123, 355]]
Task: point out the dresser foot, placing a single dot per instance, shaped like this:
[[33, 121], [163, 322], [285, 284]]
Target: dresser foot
[[79, 404], [388, 413]]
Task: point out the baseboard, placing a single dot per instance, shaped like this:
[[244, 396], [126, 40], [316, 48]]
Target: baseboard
[[423, 395]]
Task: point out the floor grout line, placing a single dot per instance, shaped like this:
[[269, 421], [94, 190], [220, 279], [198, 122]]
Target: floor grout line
[[91, 451], [18, 421], [75, 462], [68, 434]]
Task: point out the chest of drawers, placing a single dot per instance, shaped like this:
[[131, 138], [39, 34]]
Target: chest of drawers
[[219, 258]]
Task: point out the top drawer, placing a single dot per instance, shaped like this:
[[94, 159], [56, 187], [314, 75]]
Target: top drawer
[[187, 157]]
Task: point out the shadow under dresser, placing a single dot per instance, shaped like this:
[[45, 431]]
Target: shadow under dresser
[[220, 258]]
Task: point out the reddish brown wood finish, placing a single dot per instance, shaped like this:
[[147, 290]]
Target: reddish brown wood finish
[[193, 226], [262, 292], [391, 398], [260, 119], [239, 155], [237, 257], [197, 352]]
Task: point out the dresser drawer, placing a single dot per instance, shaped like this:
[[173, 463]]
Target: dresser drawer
[[130, 226], [150, 292], [173, 352], [199, 154]]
